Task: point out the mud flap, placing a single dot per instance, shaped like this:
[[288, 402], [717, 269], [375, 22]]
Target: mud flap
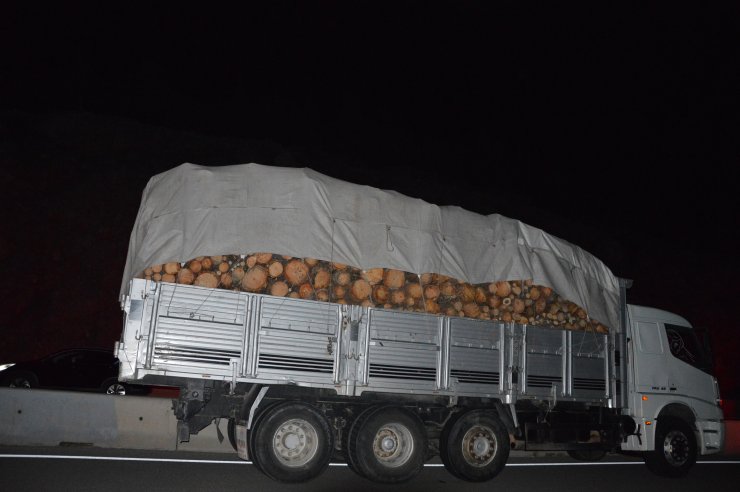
[[241, 440]]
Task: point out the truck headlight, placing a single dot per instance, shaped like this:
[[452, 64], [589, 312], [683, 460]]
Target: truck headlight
[[6, 366]]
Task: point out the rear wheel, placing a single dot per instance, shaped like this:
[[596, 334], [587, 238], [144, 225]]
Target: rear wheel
[[388, 445], [293, 443], [675, 448], [475, 446]]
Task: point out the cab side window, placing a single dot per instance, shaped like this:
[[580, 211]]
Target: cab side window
[[684, 346]]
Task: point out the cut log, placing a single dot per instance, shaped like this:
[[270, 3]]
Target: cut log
[[226, 280], [518, 305], [275, 269], [503, 289], [339, 291], [279, 289], [447, 289], [466, 292], [494, 301], [185, 276], [224, 267], [255, 279], [305, 291], [322, 295], [361, 289], [321, 278], [207, 263], [311, 262], [394, 279], [251, 261], [342, 277], [381, 294], [168, 277], [296, 272], [171, 268], [398, 296], [263, 258], [431, 292], [480, 295], [237, 274], [414, 290], [157, 277], [195, 266], [430, 306], [427, 278], [209, 279], [157, 268], [374, 275]]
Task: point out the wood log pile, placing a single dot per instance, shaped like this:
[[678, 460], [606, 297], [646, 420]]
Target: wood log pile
[[307, 278]]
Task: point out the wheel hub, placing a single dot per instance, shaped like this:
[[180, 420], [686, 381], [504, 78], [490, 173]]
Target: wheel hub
[[393, 445], [676, 448], [479, 446], [295, 442]]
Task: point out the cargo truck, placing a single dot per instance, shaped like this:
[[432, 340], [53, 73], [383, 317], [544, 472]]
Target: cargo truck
[[304, 381]]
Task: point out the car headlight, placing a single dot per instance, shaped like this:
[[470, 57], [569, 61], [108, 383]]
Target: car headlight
[[6, 366]]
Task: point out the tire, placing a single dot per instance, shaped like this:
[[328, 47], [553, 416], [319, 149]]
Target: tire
[[587, 454], [293, 443], [351, 436], [21, 379], [475, 446], [388, 445], [251, 439], [113, 387], [675, 448]]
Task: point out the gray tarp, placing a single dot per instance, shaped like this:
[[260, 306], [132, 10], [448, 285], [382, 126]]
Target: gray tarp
[[193, 210]]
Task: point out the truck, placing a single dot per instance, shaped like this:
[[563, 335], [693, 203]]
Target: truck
[[304, 382]]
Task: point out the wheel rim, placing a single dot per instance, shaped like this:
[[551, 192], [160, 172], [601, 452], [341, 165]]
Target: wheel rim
[[20, 383], [676, 448], [479, 446], [116, 389], [295, 442], [393, 445]]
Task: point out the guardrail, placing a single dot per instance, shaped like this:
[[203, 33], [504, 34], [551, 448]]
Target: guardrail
[[50, 418]]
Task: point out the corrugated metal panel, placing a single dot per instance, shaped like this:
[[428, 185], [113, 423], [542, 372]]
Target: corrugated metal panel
[[297, 337], [404, 346], [198, 327], [475, 352]]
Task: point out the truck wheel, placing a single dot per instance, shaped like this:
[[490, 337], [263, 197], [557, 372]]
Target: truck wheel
[[351, 436], [586, 454], [474, 446], [293, 443], [388, 445], [675, 448]]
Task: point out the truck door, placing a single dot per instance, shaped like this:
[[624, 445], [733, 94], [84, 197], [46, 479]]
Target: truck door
[[651, 370]]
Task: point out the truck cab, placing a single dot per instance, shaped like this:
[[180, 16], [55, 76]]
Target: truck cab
[[671, 394]]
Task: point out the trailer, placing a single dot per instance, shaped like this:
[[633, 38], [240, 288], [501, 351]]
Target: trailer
[[303, 382]]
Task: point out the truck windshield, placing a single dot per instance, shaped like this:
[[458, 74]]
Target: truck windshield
[[686, 346]]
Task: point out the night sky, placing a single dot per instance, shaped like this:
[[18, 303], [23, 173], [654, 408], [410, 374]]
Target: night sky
[[614, 129]]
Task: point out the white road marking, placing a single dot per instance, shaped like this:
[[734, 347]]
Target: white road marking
[[235, 462]]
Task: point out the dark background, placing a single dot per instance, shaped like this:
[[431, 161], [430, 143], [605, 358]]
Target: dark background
[[613, 128]]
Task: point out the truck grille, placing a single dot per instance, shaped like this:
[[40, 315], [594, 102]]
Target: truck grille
[[589, 384]]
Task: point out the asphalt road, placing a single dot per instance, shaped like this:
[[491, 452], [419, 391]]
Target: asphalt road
[[82, 469]]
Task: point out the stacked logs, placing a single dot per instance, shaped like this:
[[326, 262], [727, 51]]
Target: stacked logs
[[308, 278]]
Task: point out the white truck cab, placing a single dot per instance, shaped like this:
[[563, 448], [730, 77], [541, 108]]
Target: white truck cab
[[672, 395]]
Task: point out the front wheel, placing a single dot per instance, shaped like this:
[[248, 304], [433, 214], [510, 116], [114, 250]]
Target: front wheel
[[474, 446], [675, 448], [292, 443]]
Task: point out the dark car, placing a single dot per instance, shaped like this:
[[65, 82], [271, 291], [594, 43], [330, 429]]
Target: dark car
[[83, 369]]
